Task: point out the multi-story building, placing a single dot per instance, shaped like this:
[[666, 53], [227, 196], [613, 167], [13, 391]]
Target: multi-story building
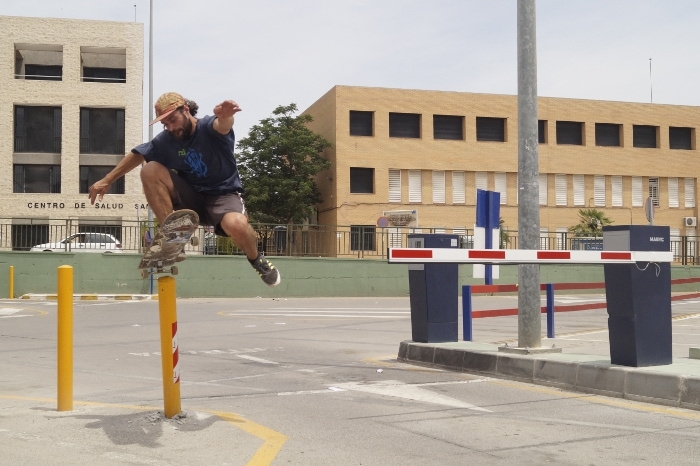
[[418, 157], [72, 100]]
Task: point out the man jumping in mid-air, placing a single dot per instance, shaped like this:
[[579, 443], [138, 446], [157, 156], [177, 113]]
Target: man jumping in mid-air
[[191, 165]]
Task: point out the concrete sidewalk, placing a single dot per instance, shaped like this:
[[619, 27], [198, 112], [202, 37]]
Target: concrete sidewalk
[[676, 384], [584, 361]]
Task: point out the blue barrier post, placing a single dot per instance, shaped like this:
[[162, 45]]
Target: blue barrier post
[[550, 310], [467, 313]]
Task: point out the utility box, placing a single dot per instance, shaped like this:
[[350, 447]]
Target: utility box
[[434, 290], [638, 298]]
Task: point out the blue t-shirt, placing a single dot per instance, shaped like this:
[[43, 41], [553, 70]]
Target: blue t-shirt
[[205, 160]]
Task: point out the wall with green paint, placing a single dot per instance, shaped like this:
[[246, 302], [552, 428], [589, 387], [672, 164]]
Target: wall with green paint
[[232, 276]]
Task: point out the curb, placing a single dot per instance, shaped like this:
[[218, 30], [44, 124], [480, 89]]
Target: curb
[[93, 297], [676, 384]]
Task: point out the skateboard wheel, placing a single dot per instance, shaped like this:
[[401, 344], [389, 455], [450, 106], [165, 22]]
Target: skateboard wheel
[[144, 273], [173, 270], [194, 240]]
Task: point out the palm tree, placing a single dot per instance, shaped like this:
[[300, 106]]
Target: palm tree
[[591, 223]]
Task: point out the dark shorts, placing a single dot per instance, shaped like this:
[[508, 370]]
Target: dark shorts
[[210, 208]]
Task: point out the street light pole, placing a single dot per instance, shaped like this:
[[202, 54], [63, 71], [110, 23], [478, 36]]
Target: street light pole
[[529, 325]]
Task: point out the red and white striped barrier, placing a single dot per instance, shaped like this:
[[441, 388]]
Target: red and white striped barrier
[[176, 356], [523, 256]]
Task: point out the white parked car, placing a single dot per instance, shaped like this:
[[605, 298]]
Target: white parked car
[[83, 242]]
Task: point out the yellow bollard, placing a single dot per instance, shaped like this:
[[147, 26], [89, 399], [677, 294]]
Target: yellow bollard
[[12, 282], [65, 338], [168, 346]]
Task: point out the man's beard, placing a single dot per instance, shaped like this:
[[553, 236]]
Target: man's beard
[[185, 132]]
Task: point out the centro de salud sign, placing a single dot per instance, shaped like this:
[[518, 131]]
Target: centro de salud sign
[[81, 205]]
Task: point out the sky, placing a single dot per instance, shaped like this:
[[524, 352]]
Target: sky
[[267, 53]]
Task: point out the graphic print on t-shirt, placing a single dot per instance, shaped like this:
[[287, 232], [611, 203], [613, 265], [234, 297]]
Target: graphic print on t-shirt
[[194, 161]]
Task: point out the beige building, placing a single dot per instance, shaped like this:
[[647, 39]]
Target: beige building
[[418, 158], [72, 100]]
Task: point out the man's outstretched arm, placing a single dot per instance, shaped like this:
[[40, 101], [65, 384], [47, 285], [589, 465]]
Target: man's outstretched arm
[[224, 116], [125, 165]]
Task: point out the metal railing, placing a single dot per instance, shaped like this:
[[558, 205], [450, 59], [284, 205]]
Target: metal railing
[[295, 240]]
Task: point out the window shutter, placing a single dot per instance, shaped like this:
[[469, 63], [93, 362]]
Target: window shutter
[[637, 197], [438, 187], [458, 192], [690, 192], [560, 186], [616, 191], [599, 190], [415, 186], [543, 189], [394, 185], [500, 182], [579, 190], [482, 181], [673, 192]]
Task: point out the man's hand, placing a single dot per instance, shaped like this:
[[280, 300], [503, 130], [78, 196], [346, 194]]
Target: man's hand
[[226, 109], [98, 190]]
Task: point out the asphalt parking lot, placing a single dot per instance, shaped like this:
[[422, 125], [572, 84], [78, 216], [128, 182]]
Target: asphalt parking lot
[[311, 381]]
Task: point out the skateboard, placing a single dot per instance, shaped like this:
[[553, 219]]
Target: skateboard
[[169, 243]]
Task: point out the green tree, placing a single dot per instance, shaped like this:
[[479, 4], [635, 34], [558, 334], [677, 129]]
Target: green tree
[[278, 162], [591, 222]]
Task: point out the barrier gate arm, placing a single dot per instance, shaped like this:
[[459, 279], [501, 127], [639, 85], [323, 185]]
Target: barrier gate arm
[[522, 256]]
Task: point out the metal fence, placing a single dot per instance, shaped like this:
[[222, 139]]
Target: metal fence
[[294, 240]]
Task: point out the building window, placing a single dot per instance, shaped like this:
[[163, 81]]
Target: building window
[[438, 187], [103, 64], [458, 191], [616, 191], [361, 123], [644, 136], [38, 129], [673, 200], [110, 227], [39, 62], [362, 237], [490, 129], [90, 174], [599, 190], [637, 197], [543, 188], [361, 180], [689, 192], [579, 190], [500, 186], [37, 179], [607, 134], [415, 186], [102, 131], [394, 185], [654, 191], [680, 138], [404, 125], [561, 189], [448, 127], [570, 132], [104, 75], [481, 181], [542, 131], [24, 236]]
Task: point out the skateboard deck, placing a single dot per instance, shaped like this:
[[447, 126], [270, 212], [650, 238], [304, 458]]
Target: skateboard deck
[[169, 242]]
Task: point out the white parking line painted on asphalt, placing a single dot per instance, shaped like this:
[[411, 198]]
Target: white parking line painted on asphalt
[[6, 311], [253, 358], [414, 392]]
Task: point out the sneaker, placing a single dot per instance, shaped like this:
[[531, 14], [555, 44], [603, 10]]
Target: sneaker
[[269, 274]]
